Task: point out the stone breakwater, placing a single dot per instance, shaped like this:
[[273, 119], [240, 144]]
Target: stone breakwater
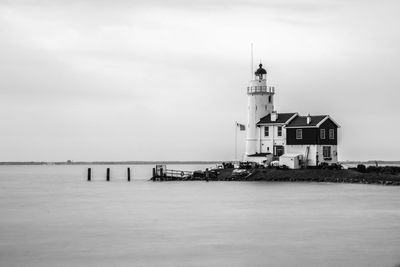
[[324, 175], [301, 175]]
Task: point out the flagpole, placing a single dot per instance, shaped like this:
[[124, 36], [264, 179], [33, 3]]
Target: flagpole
[[236, 125]]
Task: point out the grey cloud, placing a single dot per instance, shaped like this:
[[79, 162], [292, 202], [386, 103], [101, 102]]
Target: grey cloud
[[294, 5]]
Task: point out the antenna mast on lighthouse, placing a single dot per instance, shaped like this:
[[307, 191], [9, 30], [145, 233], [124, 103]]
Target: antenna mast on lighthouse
[[252, 72]]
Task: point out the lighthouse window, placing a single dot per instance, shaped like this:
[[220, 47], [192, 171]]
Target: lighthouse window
[[266, 131], [331, 134], [322, 134], [269, 99], [279, 130], [299, 133]]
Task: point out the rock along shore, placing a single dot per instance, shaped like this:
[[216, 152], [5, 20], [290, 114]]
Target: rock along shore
[[323, 175], [301, 175]]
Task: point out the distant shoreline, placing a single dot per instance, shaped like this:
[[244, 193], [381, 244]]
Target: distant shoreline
[[144, 162], [380, 162], [108, 162], [176, 162]]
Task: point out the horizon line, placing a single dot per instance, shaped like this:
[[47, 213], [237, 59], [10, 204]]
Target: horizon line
[[121, 162]]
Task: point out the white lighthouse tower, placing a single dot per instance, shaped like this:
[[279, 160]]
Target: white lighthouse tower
[[260, 98]]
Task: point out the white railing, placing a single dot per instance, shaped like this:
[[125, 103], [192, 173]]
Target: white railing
[[177, 173], [261, 90]]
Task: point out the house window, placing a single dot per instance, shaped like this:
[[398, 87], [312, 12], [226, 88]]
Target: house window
[[299, 133], [279, 130], [331, 134], [266, 131], [326, 151], [322, 133]]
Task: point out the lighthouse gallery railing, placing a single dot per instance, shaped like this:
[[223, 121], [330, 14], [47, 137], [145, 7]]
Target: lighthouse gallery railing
[[260, 89]]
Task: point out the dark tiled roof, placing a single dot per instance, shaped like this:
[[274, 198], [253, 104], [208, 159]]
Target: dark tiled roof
[[282, 118], [301, 121]]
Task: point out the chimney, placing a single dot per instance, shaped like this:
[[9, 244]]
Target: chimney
[[274, 116], [308, 119]]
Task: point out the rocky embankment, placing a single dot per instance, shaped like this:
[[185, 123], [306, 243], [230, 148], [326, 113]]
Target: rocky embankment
[[309, 175]]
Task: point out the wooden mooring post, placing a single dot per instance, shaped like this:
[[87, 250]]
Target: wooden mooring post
[[108, 174], [89, 174], [154, 174]]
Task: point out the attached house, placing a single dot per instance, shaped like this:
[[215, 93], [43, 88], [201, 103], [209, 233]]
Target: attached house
[[273, 132], [313, 139]]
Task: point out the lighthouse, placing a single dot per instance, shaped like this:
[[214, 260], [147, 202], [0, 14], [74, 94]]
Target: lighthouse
[[260, 98], [296, 141]]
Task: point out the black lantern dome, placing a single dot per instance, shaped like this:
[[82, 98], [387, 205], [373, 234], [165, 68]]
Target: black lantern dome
[[260, 72]]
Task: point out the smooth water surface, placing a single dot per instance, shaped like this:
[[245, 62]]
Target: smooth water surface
[[50, 216]]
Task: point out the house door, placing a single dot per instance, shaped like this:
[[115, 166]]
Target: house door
[[279, 151]]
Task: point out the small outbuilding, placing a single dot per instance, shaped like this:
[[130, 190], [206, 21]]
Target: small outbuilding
[[292, 161]]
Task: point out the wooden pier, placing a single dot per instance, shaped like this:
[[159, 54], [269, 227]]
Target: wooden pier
[[161, 173]]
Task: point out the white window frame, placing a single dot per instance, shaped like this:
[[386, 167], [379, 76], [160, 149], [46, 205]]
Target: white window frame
[[329, 148], [299, 134], [322, 134], [331, 133], [280, 128], [266, 130]]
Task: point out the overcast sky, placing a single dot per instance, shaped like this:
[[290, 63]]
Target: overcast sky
[[166, 80]]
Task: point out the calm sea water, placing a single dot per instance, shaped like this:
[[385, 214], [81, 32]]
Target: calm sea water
[[50, 216]]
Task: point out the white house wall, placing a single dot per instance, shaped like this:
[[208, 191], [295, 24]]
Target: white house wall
[[273, 139], [312, 156], [334, 154], [302, 149]]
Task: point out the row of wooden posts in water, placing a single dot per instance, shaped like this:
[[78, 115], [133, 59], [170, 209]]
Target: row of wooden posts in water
[[159, 173], [108, 176]]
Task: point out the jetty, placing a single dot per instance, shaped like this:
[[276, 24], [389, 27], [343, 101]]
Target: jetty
[[248, 172], [161, 173]]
